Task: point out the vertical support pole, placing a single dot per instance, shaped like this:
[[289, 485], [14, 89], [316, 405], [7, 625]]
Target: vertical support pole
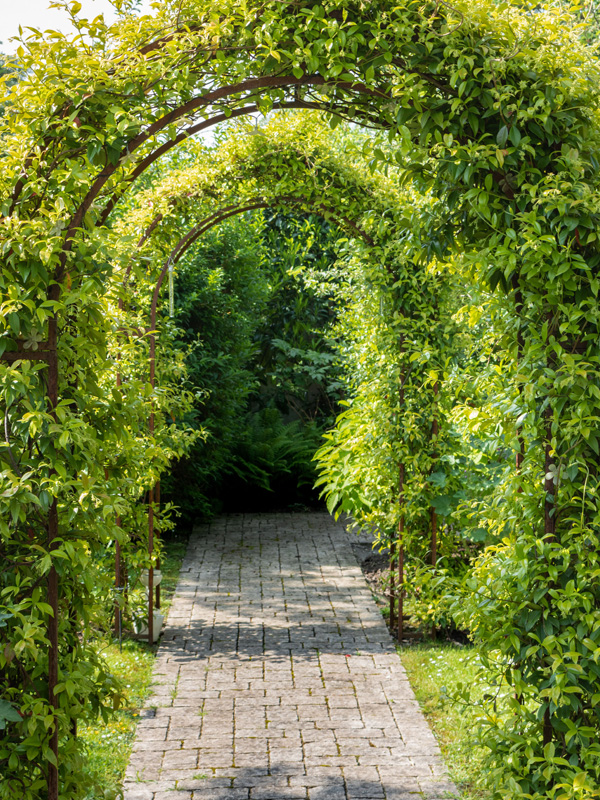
[[520, 455], [433, 520], [118, 583], [401, 555], [401, 508], [549, 529], [549, 526], [151, 568], [151, 492], [118, 612], [433, 556], [520, 345], [117, 627], [433, 516], [392, 584], [52, 781], [53, 653], [549, 487], [157, 511]]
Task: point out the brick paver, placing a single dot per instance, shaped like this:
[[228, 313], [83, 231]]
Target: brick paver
[[276, 678]]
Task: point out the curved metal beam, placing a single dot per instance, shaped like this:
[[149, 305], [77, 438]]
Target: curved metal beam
[[251, 85], [191, 131]]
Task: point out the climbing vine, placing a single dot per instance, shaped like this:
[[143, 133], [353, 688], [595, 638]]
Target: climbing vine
[[490, 108]]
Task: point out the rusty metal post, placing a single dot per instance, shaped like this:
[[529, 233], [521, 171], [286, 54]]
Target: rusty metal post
[[392, 585], [151, 430], [549, 486], [401, 554], [433, 516], [520, 347], [118, 612], [117, 625], [401, 509], [549, 530], [150, 568], [53, 653], [158, 564], [433, 521]]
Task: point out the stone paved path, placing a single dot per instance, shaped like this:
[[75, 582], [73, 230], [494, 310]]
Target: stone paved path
[[277, 679]]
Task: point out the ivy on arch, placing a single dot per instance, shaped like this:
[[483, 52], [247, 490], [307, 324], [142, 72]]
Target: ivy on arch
[[296, 166], [495, 109]]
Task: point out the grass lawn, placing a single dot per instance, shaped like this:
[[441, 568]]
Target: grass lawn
[[433, 668], [108, 746]]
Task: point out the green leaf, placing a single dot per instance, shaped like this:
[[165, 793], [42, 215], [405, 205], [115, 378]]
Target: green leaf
[[438, 478], [514, 136], [8, 713], [14, 322], [442, 505], [502, 136]]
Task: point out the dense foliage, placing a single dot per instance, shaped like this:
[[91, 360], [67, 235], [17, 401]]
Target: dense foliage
[[492, 116], [251, 308]]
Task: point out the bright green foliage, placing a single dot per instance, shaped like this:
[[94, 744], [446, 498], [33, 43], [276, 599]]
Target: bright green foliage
[[8, 74], [490, 107], [399, 345], [278, 153]]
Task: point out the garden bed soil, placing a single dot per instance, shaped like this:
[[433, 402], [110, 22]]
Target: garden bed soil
[[376, 569]]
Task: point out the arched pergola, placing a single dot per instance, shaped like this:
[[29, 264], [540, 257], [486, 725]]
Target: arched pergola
[[297, 168], [495, 108]]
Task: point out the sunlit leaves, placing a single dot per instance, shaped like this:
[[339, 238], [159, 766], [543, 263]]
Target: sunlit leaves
[[490, 107]]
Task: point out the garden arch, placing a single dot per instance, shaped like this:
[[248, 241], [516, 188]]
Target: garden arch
[[295, 166], [499, 104]]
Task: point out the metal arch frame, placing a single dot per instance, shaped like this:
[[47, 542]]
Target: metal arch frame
[[48, 350], [252, 86], [177, 252]]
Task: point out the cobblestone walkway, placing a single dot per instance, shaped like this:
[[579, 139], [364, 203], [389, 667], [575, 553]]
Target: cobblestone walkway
[[277, 679]]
